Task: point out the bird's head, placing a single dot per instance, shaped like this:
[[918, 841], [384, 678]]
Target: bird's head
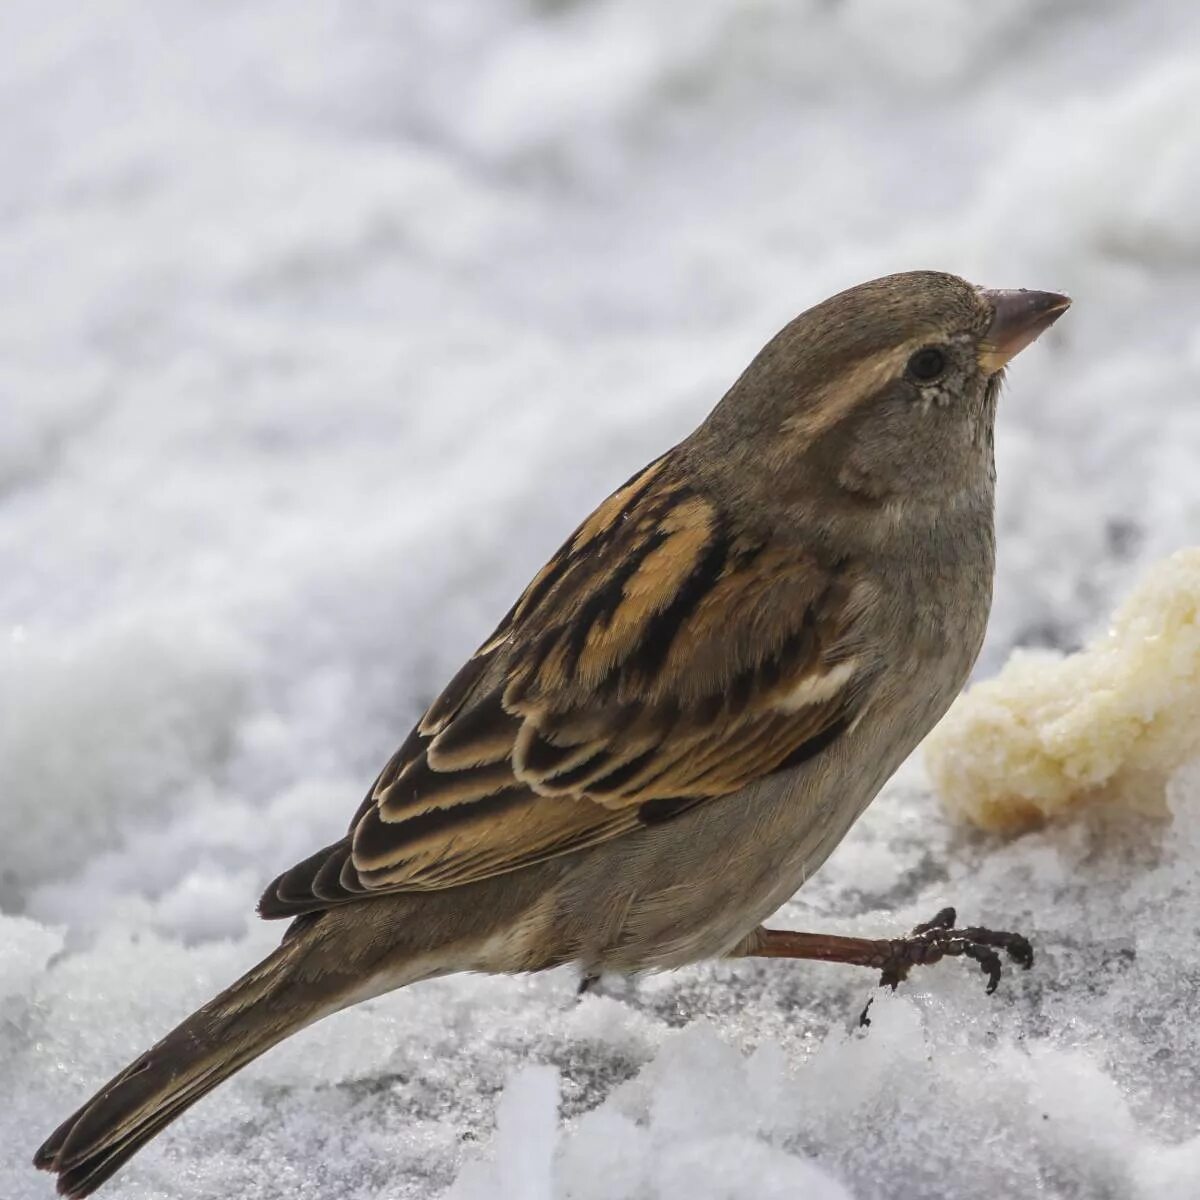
[[884, 394]]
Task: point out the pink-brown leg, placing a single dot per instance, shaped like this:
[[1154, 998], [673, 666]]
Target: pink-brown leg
[[895, 957]]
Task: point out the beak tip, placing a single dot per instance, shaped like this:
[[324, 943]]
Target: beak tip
[[1019, 317]]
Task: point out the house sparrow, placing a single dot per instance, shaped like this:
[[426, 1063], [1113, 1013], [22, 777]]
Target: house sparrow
[[681, 716]]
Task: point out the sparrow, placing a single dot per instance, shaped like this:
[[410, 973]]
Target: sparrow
[[679, 718]]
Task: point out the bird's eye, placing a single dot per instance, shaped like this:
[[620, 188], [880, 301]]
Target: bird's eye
[[927, 364]]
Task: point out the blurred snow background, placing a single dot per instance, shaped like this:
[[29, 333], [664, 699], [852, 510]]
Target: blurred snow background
[[320, 324]]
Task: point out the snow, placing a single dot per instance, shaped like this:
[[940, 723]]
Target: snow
[[321, 324]]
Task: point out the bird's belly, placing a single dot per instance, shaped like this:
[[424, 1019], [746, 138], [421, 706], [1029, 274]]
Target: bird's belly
[[694, 887]]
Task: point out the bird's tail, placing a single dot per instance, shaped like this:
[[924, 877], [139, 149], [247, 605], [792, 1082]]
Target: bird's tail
[[282, 994]]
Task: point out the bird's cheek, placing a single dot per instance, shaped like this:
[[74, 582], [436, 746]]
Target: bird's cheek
[[871, 467], [860, 479]]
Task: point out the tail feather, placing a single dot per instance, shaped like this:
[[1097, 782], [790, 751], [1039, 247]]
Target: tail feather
[[82, 1170], [273, 1000]]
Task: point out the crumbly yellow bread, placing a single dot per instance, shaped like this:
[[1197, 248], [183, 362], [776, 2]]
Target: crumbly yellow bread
[[1108, 724]]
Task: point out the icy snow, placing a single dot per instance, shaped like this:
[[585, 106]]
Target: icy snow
[[321, 324]]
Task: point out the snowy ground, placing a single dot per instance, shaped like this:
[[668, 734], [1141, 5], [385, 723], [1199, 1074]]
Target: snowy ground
[[321, 323]]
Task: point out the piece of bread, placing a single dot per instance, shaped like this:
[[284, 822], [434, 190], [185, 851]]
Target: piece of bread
[[1108, 724]]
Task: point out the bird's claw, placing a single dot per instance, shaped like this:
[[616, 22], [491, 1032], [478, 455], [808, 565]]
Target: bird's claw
[[936, 939]]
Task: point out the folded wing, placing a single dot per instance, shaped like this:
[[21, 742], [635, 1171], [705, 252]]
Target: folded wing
[[662, 659]]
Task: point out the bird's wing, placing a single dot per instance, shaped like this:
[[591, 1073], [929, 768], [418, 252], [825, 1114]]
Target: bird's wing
[[661, 659]]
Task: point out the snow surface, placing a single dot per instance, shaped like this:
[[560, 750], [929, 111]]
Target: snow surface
[[320, 324]]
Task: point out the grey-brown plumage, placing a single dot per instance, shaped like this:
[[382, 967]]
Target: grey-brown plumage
[[679, 718]]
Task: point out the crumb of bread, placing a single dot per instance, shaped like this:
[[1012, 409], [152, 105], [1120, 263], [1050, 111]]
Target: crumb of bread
[[1108, 724]]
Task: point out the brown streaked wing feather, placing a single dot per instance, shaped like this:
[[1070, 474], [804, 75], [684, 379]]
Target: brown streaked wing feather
[[661, 659]]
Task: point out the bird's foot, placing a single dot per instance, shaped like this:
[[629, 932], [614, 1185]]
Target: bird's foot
[[929, 942], [938, 938]]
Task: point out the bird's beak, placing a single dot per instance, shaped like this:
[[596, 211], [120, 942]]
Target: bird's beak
[[1018, 318]]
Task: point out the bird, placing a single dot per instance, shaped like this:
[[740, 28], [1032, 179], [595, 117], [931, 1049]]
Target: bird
[[679, 718]]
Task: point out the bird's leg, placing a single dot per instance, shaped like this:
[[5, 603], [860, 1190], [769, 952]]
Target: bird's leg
[[587, 982], [895, 957]]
